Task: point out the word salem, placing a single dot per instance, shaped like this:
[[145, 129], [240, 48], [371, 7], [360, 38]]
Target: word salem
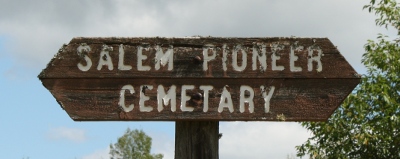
[[169, 98], [162, 58]]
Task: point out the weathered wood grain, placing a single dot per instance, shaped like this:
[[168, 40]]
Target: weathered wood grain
[[296, 99], [93, 94], [196, 139], [185, 50]]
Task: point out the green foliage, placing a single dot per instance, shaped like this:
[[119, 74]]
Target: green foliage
[[134, 144], [388, 12], [368, 122]]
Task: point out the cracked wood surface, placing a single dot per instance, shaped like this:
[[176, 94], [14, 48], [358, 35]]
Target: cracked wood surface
[[93, 95]]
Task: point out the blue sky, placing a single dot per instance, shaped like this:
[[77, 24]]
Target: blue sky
[[33, 124]]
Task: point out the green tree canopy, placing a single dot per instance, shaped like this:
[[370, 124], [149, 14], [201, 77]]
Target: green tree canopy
[[134, 144], [367, 123]]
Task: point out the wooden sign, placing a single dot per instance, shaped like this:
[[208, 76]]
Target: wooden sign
[[199, 78]]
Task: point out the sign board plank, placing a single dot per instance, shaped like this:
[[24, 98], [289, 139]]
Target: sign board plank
[[274, 52], [221, 79]]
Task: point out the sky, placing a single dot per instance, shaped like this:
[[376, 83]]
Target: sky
[[33, 125]]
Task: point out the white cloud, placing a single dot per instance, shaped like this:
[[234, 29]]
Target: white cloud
[[260, 140], [161, 143], [44, 26], [65, 133], [164, 144], [99, 154]]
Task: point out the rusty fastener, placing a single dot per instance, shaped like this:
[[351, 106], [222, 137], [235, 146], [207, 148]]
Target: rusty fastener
[[197, 96], [196, 99]]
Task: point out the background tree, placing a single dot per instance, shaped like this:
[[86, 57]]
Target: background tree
[[134, 144], [367, 123]]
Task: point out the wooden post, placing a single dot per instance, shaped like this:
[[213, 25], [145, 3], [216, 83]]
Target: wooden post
[[196, 139]]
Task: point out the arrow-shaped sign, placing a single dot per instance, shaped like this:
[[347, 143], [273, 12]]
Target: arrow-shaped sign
[[221, 79]]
